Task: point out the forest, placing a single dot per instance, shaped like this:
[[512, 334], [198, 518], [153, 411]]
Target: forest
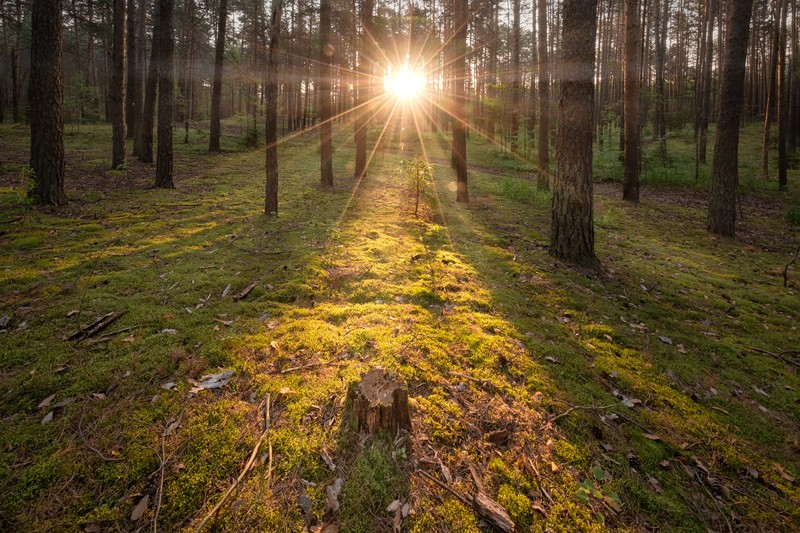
[[399, 265]]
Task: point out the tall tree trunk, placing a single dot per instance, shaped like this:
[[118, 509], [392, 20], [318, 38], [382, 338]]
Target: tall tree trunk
[[630, 186], [117, 95], [364, 83], [216, 87], [141, 64], [515, 76], [16, 83], [326, 51], [47, 94], [725, 165], [705, 96], [783, 101], [543, 178], [132, 82], [271, 112], [166, 96], [572, 227], [459, 151], [771, 108], [151, 85]]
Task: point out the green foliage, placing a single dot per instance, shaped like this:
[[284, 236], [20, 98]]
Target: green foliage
[[419, 175], [597, 487], [793, 215]]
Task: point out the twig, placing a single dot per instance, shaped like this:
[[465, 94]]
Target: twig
[[86, 443], [213, 513], [786, 268], [160, 483], [366, 271], [581, 408], [779, 356], [466, 500], [96, 327]]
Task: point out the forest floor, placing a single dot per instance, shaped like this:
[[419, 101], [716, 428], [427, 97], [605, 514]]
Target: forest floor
[[659, 391]]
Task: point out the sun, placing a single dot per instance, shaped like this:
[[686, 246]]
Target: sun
[[405, 84]]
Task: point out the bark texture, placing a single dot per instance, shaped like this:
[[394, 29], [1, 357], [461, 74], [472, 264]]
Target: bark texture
[[271, 112], [46, 99], [543, 180], [630, 185], [326, 52], [725, 165], [381, 404], [363, 95], [165, 96], [117, 96], [459, 152], [216, 87], [572, 227]]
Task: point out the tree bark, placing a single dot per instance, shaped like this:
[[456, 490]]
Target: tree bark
[[117, 95], [771, 108], [141, 64], [543, 179], [271, 112], [326, 52], [216, 87], [705, 96], [660, 120], [783, 101], [459, 151], [725, 165], [150, 88], [165, 96], [572, 228], [132, 82], [515, 77], [46, 99], [630, 186], [364, 72]]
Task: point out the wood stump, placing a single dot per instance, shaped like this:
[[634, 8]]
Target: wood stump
[[381, 404]]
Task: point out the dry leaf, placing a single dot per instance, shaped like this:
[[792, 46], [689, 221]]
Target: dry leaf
[[140, 508], [46, 402], [783, 472], [650, 436], [47, 418]]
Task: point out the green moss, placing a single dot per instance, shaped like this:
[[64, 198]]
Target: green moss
[[569, 453], [517, 504]]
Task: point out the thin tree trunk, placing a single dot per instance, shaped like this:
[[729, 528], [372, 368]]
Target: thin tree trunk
[[216, 87], [543, 178], [630, 187], [132, 83], [271, 121], [705, 102], [117, 100], [326, 51], [783, 101], [165, 96], [47, 94], [141, 63], [515, 77], [151, 85], [725, 165], [459, 151], [771, 108], [572, 227], [364, 72]]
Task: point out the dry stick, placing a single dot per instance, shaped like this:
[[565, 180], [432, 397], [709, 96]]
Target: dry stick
[[786, 268], [86, 443], [160, 483], [243, 473], [583, 408], [466, 500], [779, 356]]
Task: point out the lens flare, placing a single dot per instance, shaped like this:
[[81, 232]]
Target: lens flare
[[405, 84]]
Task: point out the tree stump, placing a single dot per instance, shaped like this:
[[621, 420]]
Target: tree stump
[[381, 403]]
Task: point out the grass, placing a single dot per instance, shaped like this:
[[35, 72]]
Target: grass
[[493, 337]]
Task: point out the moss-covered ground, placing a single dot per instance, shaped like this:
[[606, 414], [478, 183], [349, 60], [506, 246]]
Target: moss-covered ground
[[637, 396]]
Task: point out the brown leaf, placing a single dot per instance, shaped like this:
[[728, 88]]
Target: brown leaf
[[140, 508], [46, 402], [783, 473], [651, 436], [246, 290]]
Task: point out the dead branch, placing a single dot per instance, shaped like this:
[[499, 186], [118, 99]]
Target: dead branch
[[96, 327], [246, 290], [247, 467], [779, 356]]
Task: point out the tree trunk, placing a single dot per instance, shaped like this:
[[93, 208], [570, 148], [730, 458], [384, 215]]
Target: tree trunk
[[381, 404], [515, 77], [660, 119], [724, 170], [783, 101], [543, 179], [271, 112], [630, 186], [459, 151], [132, 82], [216, 87], [364, 73], [141, 64], [326, 52], [117, 95], [572, 228], [47, 94], [771, 94], [705, 96], [151, 85], [165, 96]]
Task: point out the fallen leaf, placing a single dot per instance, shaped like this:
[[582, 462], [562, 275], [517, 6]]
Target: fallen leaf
[[393, 506], [140, 508], [64, 402], [655, 485], [93, 528], [553, 360], [212, 381], [226, 290], [328, 460], [128, 340], [98, 396], [286, 391], [169, 331], [752, 471], [305, 503], [73, 312], [650, 436], [47, 418], [46, 402], [760, 391], [168, 386], [783, 472], [665, 340]]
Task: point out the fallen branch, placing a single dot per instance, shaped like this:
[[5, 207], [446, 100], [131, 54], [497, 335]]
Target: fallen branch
[[247, 467], [96, 327], [581, 408], [108, 336], [786, 268], [779, 356]]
